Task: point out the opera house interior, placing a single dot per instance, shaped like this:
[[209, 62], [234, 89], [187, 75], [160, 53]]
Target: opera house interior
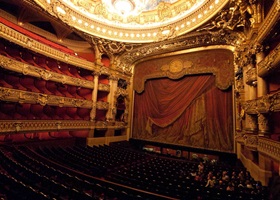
[[139, 99]]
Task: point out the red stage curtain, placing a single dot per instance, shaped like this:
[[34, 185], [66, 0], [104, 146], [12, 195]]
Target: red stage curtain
[[190, 111]]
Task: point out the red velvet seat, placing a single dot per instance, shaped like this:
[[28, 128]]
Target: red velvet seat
[[52, 65], [60, 113], [3, 49], [85, 93], [14, 53], [3, 83], [7, 110], [86, 74], [41, 62], [72, 113], [28, 83], [40, 84], [49, 111], [84, 113], [23, 112], [63, 67], [29, 58], [73, 91], [14, 80], [52, 87], [73, 70], [63, 89], [38, 111]]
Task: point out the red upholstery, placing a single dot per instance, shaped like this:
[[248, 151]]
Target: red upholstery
[[84, 113], [23, 112], [85, 93], [49, 111], [29, 58], [72, 113], [41, 62], [7, 110], [73, 91], [86, 74], [3, 83], [14, 81], [52, 65], [14, 53], [38, 111], [63, 89], [61, 113], [63, 67], [73, 70], [40, 84], [28, 83], [52, 87]]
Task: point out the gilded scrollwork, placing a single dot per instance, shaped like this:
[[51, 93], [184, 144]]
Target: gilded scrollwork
[[42, 99], [104, 87], [13, 95], [251, 141], [4, 93], [100, 105], [263, 123], [269, 63]]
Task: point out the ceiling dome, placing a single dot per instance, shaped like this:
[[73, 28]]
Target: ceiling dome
[[137, 21]]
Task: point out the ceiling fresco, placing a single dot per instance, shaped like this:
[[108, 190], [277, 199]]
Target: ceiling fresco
[[137, 21]]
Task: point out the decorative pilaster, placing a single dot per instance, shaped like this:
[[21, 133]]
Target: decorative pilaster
[[94, 97], [251, 124], [263, 124], [113, 81], [262, 85]]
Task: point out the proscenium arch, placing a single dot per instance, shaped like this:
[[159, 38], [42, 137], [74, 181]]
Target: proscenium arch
[[216, 60]]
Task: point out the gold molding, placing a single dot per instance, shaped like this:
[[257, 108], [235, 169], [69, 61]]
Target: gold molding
[[139, 33], [18, 126], [26, 69], [270, 63], [13, 95], [270, 20], [29, 43], [264, 104], [270, 148]]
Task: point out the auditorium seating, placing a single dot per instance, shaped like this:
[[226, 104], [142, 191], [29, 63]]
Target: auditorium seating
[[112, 172]]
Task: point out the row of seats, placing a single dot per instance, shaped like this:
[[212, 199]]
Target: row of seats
[[49, 180], [25, 111], [26, 56], [17, 81], [168, 177]]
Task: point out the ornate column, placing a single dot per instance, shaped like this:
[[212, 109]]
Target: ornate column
[[113, 81], [250, 94], [263, 120], [94, 97]]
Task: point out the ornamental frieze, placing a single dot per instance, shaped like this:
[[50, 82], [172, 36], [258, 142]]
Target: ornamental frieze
[[13, 126], [104, 87], [218, 62], [251, 141], [264, 104], [270, 63], [25, 41], [13, 95], [100, 105], [121, 92]]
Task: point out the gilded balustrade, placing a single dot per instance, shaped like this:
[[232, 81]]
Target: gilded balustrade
[[12, 126], [264, 104]]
